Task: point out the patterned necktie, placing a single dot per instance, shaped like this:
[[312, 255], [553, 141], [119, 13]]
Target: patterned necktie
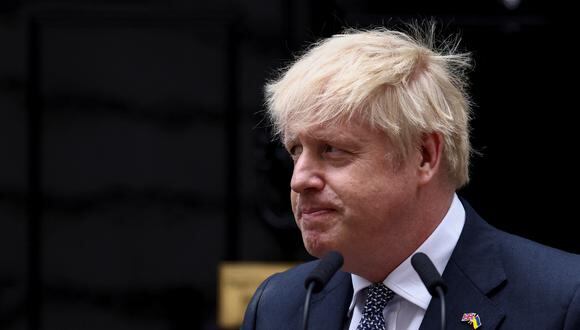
[[378, 297]]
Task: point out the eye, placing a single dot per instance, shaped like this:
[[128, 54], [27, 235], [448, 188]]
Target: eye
[[294, 150], [330, 149]]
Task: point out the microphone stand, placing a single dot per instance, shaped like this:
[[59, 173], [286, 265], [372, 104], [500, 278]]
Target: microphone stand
[[431, 279], [307, 305], [326, 268], [441, 295]]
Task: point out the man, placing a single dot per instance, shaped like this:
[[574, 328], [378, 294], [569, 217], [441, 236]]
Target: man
[[377, 124]]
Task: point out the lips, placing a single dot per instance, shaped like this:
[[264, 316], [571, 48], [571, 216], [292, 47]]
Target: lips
[[315, 210], [315, 214]]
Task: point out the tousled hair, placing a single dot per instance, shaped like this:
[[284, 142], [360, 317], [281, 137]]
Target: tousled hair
[[395, 82]]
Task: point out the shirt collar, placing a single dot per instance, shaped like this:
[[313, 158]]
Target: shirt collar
[[403, 280]]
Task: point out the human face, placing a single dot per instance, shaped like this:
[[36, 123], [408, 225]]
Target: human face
[[348, 193]]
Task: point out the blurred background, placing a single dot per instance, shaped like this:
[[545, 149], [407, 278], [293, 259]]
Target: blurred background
[[135, 157]]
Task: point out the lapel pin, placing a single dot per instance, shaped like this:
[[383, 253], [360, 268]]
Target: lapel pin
[[471, 318]]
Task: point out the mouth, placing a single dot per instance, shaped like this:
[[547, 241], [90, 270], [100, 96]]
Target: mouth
[[315, 211], [311, 216]]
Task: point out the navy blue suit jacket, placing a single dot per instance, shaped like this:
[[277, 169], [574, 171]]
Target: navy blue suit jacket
[[511, 282]]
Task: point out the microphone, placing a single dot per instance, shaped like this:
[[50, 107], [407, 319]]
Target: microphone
[[431, 279], [315, 282]]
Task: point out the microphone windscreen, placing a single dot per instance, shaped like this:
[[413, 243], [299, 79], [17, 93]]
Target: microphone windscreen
[[327, 266], [428, 273]]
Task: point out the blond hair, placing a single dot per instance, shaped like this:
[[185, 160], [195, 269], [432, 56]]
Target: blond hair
[[390, 80]]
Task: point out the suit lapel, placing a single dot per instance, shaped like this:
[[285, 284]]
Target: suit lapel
[[472, 275], [328, 309]]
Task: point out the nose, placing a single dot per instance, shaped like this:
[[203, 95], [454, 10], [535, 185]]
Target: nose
[[307, 174]]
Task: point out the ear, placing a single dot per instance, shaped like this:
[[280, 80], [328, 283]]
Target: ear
[[430, 152]]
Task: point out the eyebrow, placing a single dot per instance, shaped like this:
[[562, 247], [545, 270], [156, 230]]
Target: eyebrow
[[287, 138], [339, 138]]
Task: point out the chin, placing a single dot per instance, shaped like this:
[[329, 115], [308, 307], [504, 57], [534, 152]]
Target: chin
[[317, 247]]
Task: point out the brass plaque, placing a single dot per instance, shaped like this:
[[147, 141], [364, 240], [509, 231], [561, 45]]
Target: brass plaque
[[237, 283]]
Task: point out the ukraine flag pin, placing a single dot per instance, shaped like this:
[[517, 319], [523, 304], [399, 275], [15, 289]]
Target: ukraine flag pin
[[471, 318]]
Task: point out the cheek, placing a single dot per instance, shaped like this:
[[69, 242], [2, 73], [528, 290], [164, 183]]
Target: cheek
[[372, 200]]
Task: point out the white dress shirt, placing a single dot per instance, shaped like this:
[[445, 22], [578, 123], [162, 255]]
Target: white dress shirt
[[407, 309]]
